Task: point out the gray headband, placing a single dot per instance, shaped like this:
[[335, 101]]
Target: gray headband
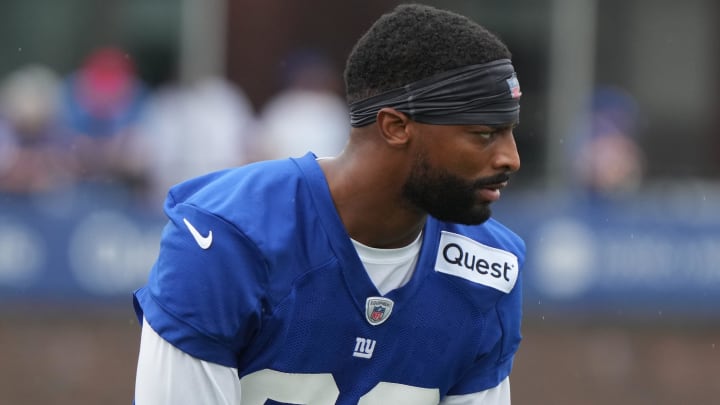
[[486, 94]]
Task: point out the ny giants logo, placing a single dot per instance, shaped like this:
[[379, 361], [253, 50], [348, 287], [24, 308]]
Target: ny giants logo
[[364, 347]]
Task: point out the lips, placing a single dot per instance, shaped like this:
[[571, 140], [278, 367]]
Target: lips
[[491, 192]]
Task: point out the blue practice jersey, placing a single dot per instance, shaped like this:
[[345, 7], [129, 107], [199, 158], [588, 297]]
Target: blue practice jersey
[[257, 272]]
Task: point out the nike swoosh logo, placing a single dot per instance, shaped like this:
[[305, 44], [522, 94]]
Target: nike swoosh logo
[[203, 241]]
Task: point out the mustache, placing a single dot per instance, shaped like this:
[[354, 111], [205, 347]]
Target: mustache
[[491, 180]]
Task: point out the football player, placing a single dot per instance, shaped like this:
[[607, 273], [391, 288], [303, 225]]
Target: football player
[[377, 276]]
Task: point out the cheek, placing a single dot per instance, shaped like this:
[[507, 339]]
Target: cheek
[[466, 159], [457, 153]]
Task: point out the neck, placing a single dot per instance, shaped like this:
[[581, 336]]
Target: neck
[[367, 195]]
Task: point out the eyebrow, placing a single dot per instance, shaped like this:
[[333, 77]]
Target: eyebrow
[[501, 127]]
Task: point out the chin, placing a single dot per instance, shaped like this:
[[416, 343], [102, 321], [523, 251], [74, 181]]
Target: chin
[[475, 216], [476, 220]]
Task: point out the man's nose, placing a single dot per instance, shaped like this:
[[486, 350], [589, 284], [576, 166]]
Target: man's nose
[[506, 156]]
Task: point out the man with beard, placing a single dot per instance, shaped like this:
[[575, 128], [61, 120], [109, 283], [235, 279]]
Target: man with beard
[[374, 277]]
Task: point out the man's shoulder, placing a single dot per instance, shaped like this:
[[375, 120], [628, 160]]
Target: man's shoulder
[[220, 191], [260, 192], [268, 203]]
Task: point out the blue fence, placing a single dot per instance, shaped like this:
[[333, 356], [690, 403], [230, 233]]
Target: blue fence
[[654, 254], [87, 244]]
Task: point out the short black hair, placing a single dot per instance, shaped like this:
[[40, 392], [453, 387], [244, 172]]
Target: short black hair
[[414, 42]]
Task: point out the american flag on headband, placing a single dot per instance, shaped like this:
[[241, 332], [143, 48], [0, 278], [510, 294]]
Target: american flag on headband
[[514, 86]]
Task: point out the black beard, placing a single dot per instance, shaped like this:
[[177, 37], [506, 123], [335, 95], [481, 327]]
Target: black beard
[[447, 197]]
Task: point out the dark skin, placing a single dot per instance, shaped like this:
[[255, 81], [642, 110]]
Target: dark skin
[[367, 178]]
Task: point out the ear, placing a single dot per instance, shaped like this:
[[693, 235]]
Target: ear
[[393, 126]]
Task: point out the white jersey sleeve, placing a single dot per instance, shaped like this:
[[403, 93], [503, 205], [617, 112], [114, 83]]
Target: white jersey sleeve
[[499, 395], [168, 376]]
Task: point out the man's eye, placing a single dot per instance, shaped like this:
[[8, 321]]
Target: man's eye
[[485, 135]]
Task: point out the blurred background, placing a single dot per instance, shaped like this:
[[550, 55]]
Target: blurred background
[[104, 105]]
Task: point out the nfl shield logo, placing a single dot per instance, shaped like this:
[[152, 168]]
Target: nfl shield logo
[[377, 310]]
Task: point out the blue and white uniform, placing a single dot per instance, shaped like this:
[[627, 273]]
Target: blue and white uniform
[[257, 274]]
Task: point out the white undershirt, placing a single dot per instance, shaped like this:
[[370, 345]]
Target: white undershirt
[[389, 268], [168, 376]]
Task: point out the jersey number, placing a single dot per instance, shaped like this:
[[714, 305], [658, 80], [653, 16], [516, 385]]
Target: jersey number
[[320, 389]]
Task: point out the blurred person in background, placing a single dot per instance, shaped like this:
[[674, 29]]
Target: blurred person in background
[[607, 160], [308, 113], [35, 153], [103, 102], [194, 129], [376, 276]]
